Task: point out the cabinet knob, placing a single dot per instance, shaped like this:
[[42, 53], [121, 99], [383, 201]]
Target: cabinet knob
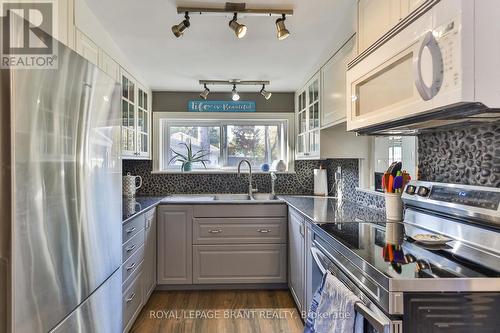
[[264, 231], [131, 230], [215, 231], [128, 268]]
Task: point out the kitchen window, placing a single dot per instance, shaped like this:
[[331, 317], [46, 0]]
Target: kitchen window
[[223, 142]]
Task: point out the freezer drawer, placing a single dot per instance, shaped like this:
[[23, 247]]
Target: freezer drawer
[[98, 312]]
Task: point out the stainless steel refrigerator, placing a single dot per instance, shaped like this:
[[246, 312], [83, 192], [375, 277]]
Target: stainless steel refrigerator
[[60, 199]]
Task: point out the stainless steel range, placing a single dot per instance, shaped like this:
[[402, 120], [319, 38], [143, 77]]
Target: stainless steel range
[[407, 286]]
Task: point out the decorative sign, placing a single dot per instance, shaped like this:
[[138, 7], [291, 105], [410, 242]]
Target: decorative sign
[[221, 106]]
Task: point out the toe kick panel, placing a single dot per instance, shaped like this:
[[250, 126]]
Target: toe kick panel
[[248, 263]]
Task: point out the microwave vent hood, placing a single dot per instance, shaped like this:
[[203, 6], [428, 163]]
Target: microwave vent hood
[[436, 120]]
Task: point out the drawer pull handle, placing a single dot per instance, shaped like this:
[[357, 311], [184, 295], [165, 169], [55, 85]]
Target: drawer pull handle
[[215, 231], [128, 268], [130, 249], [131, 230], [131, 298], [264, 231]]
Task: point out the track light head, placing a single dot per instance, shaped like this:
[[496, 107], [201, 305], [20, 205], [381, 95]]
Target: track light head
[[205, 92], [283, 32], [178, 29], [266, 94], [236, 96], [239, 29]]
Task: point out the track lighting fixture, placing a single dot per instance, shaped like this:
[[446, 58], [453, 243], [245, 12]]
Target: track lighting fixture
[[236, 96], [264, 93], [239, 29], [283, 32], [235, 82], [178, 29], [205, 92]]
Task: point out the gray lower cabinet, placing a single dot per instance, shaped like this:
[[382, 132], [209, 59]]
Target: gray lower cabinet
[[175, 244], [296, 257], [149, 266], [308, 267], [139, 265], [222, 244], [239, 263]]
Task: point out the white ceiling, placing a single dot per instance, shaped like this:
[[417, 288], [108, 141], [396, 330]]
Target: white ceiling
[[209, 50]]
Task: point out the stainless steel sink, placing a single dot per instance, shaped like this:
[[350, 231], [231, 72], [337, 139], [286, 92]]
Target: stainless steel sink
[[264, 196], [232, 197]]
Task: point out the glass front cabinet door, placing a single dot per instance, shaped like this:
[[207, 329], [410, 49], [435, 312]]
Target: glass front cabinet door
[[136, 119], [308, 119]]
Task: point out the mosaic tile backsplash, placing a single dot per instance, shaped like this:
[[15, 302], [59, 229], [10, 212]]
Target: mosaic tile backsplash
[[468, 156], [301, 182]]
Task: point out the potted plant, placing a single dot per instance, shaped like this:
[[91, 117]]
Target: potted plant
[[189, 158]]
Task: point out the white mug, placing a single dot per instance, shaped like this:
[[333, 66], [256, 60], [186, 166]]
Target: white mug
[[129, 185]]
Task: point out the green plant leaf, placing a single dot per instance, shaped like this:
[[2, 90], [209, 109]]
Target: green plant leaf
[[179, 154], [203, 162], [202, 155]]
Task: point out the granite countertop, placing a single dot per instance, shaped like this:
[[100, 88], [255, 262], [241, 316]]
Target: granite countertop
[[137, 205], [219, 198], [330, 210], [316, 209]]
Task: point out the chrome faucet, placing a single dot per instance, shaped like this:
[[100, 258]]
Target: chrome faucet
[[251, 190], [273, 180]]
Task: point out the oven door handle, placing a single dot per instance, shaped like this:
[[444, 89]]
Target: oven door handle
[[378, 322]]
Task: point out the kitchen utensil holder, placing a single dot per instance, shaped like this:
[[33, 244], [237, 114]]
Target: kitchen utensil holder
[[394, 207]]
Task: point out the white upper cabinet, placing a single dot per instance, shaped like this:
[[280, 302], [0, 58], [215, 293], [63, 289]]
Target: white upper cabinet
[[377, 17], [66, 22], [408, 6], [109, 65], [307, 101], [333, 85], [87, 48], [136, 119]]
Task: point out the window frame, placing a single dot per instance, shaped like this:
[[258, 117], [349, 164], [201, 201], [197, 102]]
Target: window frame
[[222, 119]]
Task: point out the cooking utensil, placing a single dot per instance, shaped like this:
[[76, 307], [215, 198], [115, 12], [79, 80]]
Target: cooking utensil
[[390, 185]]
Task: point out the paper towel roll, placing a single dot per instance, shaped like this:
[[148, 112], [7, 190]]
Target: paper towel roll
[[320, 182]]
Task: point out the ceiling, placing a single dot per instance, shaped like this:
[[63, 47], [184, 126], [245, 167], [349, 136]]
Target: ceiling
[[209, 50]]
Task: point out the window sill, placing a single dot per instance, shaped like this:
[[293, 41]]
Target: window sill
[[370, 191], [216, 172]]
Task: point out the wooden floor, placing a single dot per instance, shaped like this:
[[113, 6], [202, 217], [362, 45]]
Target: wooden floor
[[219, 311]]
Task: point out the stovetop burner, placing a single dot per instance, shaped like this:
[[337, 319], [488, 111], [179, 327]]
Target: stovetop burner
[[390, 252]]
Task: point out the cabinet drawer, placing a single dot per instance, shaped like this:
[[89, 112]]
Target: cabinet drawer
[[246, 210], [239, 230], [131, 303], [150, 214], [132, 264], [132, 227], [133, 245], [253, 263]]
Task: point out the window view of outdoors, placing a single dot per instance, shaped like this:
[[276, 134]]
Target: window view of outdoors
[[258, 144], [206, 139], [226, 144]]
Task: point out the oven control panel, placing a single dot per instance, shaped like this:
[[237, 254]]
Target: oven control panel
[[467, 196]]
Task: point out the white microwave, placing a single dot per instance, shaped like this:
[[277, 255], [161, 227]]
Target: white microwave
[[443, 68]]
